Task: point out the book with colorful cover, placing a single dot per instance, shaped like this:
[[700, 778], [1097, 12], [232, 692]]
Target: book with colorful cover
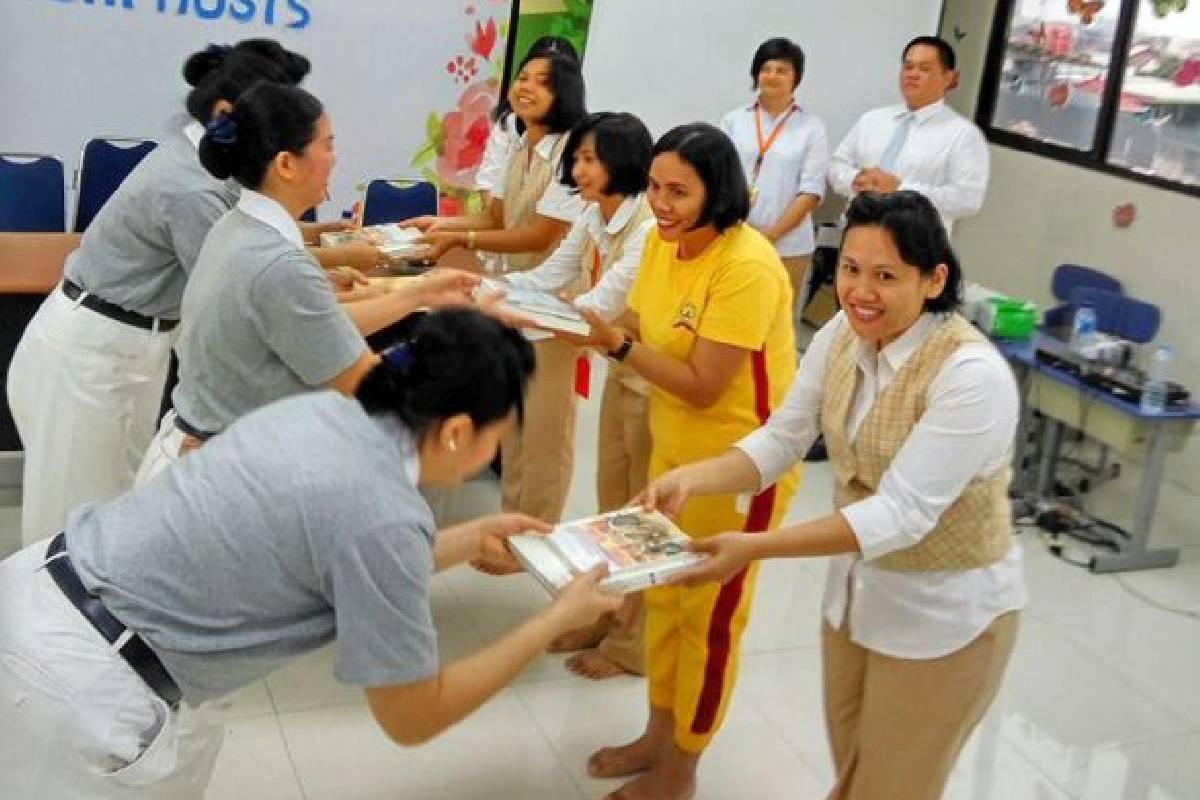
[[542, 308], [641, 548]]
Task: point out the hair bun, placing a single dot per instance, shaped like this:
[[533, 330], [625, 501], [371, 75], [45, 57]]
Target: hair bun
[[203, 63]]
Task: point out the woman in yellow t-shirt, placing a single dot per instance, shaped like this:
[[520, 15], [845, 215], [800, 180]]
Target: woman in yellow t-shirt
[[710, 327]]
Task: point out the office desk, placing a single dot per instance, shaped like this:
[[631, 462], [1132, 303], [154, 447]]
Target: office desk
[[1065, 400], [32, 263]]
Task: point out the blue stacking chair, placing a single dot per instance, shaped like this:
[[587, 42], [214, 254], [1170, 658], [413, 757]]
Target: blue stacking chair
[[394, 200], [1066, 279], [103, 164], [1120, 314], [32, 193]]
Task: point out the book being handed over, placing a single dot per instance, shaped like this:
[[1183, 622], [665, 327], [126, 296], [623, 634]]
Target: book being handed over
[[394, 241], [542, 308], [641, 548]]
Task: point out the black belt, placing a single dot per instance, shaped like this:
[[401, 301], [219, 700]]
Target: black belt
[[115, 312], [135, 651], [191, 430]]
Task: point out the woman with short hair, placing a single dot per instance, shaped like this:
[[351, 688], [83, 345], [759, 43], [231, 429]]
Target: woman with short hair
[[711, 331], [785, 152], [925, 582]]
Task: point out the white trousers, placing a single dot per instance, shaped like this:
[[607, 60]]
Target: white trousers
[[76, 721], [164, 449], [85, 392]]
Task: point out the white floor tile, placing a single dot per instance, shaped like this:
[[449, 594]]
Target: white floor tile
[[1162, 770], [1155, 653], [1060, 705], [254, 762], [341, 754]]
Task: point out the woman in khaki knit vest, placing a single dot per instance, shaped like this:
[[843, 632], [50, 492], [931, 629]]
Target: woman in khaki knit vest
[[925, 581], [527, 216], [607, 161]]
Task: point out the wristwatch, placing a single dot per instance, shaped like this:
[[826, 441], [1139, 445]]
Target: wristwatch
[[622, 350]]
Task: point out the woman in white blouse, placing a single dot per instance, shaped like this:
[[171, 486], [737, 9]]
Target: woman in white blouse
[[785, 153], [925, 580]]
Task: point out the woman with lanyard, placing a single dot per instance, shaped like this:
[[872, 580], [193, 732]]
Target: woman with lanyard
[[528, 214], [260, 319], [919, 412], [87, 378], [785, 153], [301, 525], [710, 328], [606, 161]]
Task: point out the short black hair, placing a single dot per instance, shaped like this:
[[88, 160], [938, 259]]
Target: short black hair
[[623, 145], [566, 84], [223, 72], [454, 361], [268, 119], [709, 151], [777, 49], [944, 50], [916, 229]]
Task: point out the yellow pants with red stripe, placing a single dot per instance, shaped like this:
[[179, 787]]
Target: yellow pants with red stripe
[[693, 635]]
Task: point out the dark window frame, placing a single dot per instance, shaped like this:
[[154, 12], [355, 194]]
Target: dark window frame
[[1097, 157]]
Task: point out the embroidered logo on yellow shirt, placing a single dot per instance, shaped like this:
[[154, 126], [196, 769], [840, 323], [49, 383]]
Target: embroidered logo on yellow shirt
[[686, 318]]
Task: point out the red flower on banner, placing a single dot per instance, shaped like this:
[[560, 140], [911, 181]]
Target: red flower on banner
[[465, 134], [484, 39]]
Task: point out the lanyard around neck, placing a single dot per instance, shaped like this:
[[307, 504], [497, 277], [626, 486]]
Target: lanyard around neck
[[765, 147]]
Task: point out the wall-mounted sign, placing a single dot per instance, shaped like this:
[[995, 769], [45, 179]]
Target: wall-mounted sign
[[294, 14]]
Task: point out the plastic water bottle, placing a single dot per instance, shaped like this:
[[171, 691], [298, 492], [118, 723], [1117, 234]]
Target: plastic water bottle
[[1154, 390], [1083, 327]]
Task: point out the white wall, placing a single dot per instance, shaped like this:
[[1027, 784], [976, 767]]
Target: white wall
[[1040, 213], [677, 61], [70, 71]]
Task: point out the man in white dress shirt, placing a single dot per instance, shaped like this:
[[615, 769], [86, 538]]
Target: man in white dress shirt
[[922, 145]]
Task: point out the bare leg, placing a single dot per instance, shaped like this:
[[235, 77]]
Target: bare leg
[[640, 754], [582, 638]]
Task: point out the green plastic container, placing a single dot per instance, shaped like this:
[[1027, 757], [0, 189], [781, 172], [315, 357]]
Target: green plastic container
[[1006, 318]]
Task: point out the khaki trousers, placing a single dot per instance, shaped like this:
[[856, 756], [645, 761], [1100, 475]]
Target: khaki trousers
[[537, 458], [624, 450], [896, 725], [797, 269], [624, 464]]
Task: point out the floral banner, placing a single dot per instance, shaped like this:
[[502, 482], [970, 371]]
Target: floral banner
[[455, 139]]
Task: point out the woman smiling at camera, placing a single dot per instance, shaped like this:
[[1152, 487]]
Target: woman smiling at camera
[[919, 411], [528, 214]]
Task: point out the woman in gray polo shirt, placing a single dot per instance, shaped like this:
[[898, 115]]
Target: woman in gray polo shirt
[[302, 524], [260, 319], [87, 379]]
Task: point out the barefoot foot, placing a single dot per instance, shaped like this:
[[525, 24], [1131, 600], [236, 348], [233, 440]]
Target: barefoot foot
[[594, 665], [629, 759], [664, 781]]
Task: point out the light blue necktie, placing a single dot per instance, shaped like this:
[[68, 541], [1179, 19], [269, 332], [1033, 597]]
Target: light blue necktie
[[887, 161]]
